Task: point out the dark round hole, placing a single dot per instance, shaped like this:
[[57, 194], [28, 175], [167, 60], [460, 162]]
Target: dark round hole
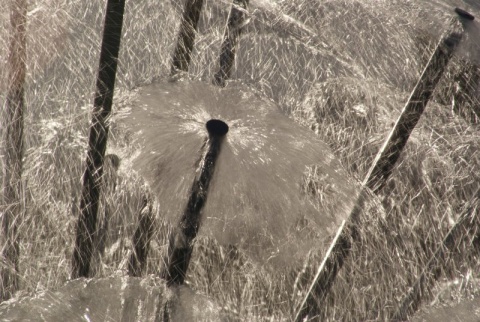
[[464, 14], [216, 127]]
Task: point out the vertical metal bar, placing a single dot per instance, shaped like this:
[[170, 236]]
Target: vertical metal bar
[[141, 240], [111, 164], [386, 160], [97, 142], [186, 36], [12, 150], [181, 241], [232, 33]]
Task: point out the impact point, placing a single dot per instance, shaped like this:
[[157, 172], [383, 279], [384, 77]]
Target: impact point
[[216, 127]]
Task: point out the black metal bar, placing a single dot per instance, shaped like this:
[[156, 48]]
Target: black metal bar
[[181, 241], [466, 226], [186, 36], [141, 240], [12, 151], [233, 30], [333, 263], [111, 164], [385, 161], [97, 142], [413, 110]]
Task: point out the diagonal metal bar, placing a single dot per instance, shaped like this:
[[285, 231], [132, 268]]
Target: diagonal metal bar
[[181, 241], [385, 161]]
